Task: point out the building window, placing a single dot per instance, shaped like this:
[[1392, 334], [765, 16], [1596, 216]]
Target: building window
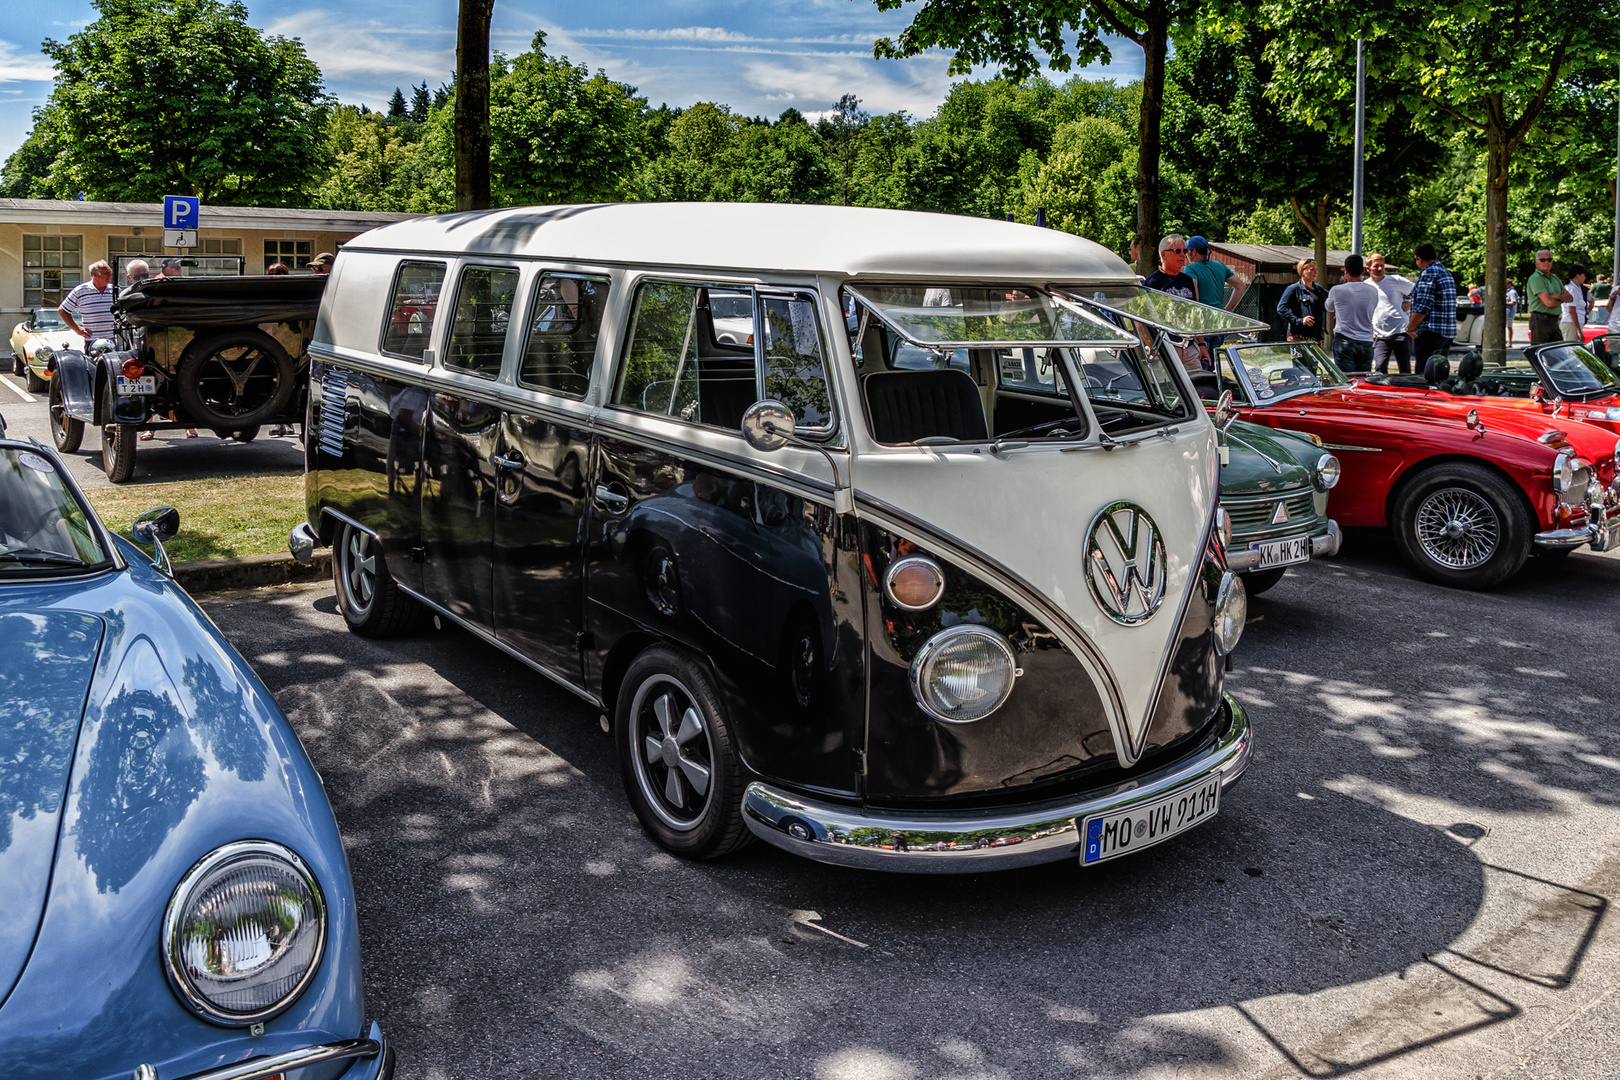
[[52, 265], [293, 254], [133, 245], [222, 247]]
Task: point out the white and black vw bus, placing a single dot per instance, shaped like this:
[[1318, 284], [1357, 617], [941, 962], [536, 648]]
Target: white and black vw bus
[[888, 538]]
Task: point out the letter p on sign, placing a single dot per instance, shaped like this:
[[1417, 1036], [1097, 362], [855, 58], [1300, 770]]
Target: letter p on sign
[[181, 211]]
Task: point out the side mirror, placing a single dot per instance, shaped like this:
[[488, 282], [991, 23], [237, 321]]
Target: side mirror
[[767, 425], [1224, 413], [154, 527]]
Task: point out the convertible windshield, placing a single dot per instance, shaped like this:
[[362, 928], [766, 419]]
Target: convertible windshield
[[955, 316], [1283, 369], [42, 527], [46, 318], [1575, 372], [1161, 310]]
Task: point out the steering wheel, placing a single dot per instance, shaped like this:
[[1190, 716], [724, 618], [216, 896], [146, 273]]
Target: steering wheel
[[1288, 378]]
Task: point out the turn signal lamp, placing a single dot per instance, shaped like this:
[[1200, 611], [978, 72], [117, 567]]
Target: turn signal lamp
[[133, 368], [914, 584]]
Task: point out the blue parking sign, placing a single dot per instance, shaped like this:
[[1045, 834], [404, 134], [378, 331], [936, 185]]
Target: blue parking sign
[[181, 211]]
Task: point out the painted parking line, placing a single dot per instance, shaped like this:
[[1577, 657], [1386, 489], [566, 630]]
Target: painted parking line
[[19, 391]]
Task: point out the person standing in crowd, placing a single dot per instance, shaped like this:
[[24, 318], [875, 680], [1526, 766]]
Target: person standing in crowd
[[171, 268], [1389, 320], [1434, 307], [1476, 294], [1572, 312], [87, 309], [321, 264], [1544, 296], [1169, 278], [1212, 276], [1353, 304], [1602, 287], [277, 269], [135, 273], [1512, 296], [1303, 304]]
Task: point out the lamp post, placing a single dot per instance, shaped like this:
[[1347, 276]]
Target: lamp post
[[1360, 151]]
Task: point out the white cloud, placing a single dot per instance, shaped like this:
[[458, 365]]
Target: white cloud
[[916, 86], [718, 34], [362, 51], [18, 66]]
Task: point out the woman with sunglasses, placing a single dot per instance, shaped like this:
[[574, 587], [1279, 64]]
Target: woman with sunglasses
[[1302, 305]]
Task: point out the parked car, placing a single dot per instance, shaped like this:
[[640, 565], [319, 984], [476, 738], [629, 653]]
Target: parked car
[[1274, 489], [883, 616], [177, 901], [34, 341], [1469, 490], [222, 353]]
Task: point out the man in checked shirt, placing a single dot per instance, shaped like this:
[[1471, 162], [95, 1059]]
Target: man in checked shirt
[[1434, 308]]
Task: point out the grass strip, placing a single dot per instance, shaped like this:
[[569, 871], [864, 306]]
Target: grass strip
[[220, 517]]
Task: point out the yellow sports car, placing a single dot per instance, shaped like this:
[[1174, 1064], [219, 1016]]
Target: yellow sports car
[[32, 342]]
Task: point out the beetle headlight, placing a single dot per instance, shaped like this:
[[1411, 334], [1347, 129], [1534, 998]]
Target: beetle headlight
[[244, 932], [1231, 613], [1327, 471], [963, 673], [1563, 475]]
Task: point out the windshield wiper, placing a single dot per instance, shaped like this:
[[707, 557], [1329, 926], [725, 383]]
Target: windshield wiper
[[40, 555]]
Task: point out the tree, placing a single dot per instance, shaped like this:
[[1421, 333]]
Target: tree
[[1486, 69], [420, 103], [396, 105], [472, 105], [840, 131], [1009, 33], [160, 97]]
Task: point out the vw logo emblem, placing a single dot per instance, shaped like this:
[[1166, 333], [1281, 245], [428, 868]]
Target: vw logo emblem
[[1125, 563]]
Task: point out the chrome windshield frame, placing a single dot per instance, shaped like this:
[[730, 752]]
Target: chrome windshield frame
[[855, 289], [1251, 397]]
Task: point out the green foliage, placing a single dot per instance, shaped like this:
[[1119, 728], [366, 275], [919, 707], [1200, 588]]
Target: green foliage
[[396, 104], [1267, 224], [380, 164], [162, 96]]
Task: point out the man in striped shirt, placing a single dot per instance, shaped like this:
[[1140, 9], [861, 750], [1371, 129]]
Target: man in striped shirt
[[88, 308]]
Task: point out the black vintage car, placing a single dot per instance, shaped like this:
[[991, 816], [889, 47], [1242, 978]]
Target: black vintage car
[[224, 354]]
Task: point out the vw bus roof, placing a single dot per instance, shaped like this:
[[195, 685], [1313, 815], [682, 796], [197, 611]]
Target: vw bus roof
[[841, 241]]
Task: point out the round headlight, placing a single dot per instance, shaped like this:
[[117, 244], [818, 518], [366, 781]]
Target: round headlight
[[963, 673], [1231, 613], [1327, 471], [915, 583], [1563, 472], [44, 354], [244, 932], [1223, 527], [1594, 491]]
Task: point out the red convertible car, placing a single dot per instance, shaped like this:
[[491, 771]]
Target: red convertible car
[[1469, 488]]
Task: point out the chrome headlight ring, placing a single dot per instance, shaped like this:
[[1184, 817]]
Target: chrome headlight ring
[[224, 881], [1326, 473], [1231, 613], [931, 683], [909, 573], [1563, 472]]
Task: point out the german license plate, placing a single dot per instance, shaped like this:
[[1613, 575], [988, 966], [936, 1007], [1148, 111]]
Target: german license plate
[[1295, 549], [146, 384], [1123, 831]]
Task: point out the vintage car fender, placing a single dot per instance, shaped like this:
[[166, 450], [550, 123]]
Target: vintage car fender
[[76, 373], [1263, 466], [179, 750]]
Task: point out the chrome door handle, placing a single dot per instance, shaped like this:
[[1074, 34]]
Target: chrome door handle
[[611, 500], [514, 460]]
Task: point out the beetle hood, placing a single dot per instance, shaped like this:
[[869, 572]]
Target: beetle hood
[[45, 672]]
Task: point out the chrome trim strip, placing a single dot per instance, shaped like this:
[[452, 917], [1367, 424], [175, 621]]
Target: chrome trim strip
[[1354, 449], [810, 487], [1000, 839], [977, 562], [347, 520], [501, 645], [258, 1068]]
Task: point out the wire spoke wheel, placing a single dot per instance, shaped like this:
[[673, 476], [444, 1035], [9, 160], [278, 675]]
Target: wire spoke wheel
[[1458, 528], [674, 758]]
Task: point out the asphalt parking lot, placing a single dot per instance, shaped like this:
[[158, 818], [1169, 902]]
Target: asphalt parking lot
[[1412, 880]]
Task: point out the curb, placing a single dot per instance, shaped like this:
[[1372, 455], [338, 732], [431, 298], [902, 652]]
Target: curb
[[249, 571]]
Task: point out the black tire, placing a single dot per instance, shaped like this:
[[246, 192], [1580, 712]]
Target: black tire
[[371, 603], [235, 380], [1258, 581], [66, 432], [117, 441], [247, 434], [17, 365], [36, 385], [672, 737], [1462, 525]]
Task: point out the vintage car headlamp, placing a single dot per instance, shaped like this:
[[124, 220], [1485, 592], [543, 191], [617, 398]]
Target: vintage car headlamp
[[1223, 527], [1594, 491], [914, 583], [44, 354], [1563, 474], [1327, 472], [1231, 612], [963, 673], [244, 932]]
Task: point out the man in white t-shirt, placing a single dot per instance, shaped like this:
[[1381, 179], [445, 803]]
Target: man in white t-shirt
[[1572, 315], [1389, 318], [1352, 304]]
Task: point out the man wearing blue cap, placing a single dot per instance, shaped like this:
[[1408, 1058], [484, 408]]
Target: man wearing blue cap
[[1211, 275]]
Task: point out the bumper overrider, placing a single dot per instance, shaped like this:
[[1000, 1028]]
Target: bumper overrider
[[1601, 532], [1323, 545], [970, 842], [373, 1056]]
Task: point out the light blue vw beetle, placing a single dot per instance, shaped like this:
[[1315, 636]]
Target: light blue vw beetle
[[174, 898]]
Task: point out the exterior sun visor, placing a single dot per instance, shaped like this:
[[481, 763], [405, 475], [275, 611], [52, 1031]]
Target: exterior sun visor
[[1187, 318], [951, 317]]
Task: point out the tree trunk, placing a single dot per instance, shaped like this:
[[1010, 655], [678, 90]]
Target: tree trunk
[[1498, 157], [472, 105], [1316, 223], [1154, 43]]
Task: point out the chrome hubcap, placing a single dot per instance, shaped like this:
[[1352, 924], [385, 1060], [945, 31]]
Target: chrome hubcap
[[674, 758], [1458, 529], [360, 571]]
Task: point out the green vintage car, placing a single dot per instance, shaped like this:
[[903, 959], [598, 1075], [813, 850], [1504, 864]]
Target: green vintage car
[[1274, 489]]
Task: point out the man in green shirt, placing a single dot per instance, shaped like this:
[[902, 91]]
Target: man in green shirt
[[1544, 294], [1211, 275]]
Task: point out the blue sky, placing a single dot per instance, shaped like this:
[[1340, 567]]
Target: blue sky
[[759, 56]]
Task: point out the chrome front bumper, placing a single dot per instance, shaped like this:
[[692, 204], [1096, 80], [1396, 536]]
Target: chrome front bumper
[[1323, 546], [302, 542], [373, 1050], [1601, 537], [971, 842]]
